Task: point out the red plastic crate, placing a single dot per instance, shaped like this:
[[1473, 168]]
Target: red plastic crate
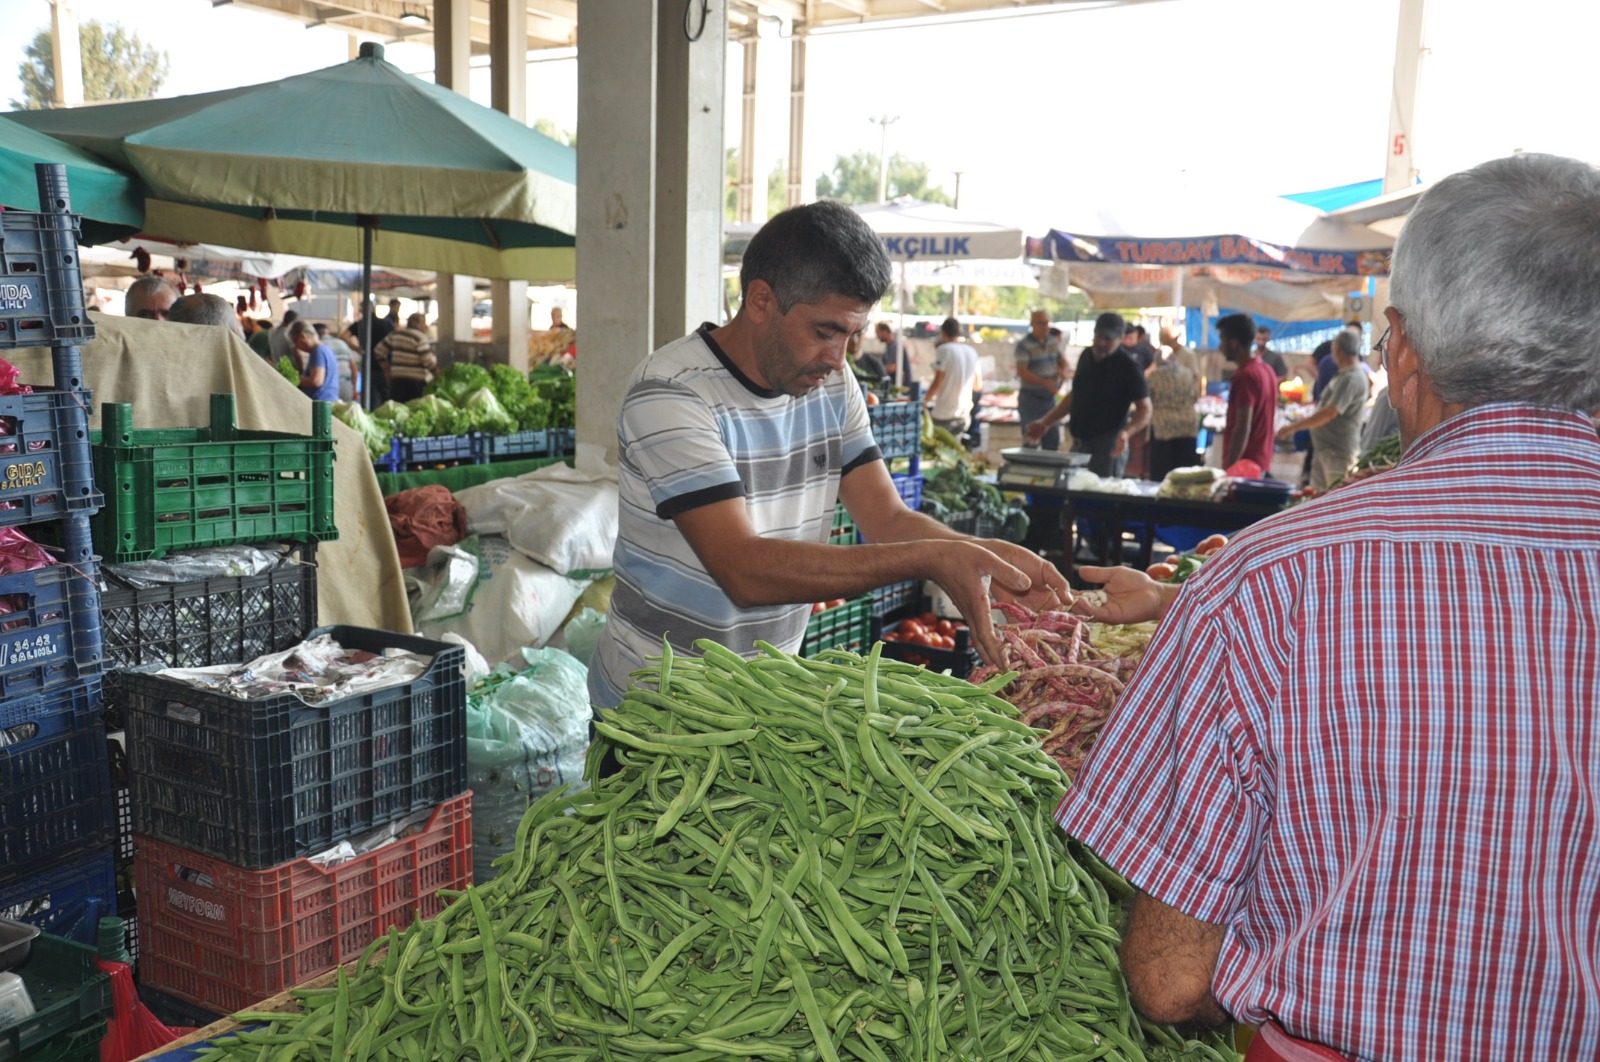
[[224, 938]]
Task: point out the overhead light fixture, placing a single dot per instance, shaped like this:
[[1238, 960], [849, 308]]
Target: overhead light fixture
[[413, 18]]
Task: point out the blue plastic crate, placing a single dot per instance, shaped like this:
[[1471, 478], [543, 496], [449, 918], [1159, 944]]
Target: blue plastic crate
[[55, 783], [468, 449], [897, 429], [563, 441], [519, 445], [46, 470], [51, 634], [41, 286], [909, 485], [67, 900]]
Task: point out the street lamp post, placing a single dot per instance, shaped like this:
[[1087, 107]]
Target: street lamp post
[[883, 123]]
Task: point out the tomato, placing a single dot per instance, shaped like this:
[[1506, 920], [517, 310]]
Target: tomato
[[818, 607], [1211, 545], [872, 398], [1161, 572], [928, 619], [946, 641], [891, 636], [947, 628], [910, 629]]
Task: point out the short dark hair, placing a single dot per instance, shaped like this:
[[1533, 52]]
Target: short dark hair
[[809, 252], [1238, 327], [1139, 331], [951, 327], [321, 328], [1110, 324], [1354, 322], [885, 326], [1263, 328], [290, 317]]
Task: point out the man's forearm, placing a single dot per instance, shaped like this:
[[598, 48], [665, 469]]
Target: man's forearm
[[1237, 439], [1028, 376], [1140, 420]]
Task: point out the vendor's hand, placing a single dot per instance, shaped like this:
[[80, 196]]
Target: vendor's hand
[[969, 572], [1129, 596], [1049, 590], [1286, 432], [1034, 431], [1122, 444]]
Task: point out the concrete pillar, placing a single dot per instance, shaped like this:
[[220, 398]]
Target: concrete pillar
[[452, 57], [797, 117], [66, 53], [690, 172], [746, 207], [616, 196], [508, 89]]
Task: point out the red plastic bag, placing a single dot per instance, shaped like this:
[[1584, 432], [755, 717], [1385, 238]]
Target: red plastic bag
[[8, 380], [19, 553], [1244, 469], [132, 1030], [422, 518]]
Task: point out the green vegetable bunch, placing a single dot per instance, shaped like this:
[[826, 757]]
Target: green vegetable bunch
[[377, 433], [558, 389], [797, 859], [287, 370], [457, 381], [1385, 453], [519, 398]]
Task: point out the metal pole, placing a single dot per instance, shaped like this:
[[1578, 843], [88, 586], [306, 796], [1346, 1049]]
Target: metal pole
[[883, 123], [367, 222]]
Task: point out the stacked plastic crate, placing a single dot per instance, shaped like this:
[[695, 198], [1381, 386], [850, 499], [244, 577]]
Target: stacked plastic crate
[[57, 816], [231, 796]]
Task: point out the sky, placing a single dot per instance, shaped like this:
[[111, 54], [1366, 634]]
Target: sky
[[1268, 96]]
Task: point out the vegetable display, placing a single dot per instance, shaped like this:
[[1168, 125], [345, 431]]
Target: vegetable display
[[375, 432], [557, 389], [287, 370], [798, 859], [954, 489], [1068, 674]]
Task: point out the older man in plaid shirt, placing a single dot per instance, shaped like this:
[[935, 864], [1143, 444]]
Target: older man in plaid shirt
[[1357, 777]]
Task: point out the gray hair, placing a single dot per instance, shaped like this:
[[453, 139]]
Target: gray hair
[[1348, 343], [204, 309], [301, 328], [145, 289], [810, 252], [1496, 273]]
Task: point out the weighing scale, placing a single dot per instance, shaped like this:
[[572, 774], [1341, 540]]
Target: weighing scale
[[1028, 468]]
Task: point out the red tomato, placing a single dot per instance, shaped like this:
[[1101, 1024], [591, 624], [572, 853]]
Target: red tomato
[[1211, 545], [928, 619], [947, 628], [818, 607], [891, 636], [910, 629], [872, 399], [1161, 572]]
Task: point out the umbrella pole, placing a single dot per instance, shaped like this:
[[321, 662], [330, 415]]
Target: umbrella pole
[[367, 308]]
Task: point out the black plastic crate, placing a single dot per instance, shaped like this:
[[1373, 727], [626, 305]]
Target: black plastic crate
[[45, 466], [41, 284], [518, 445], [961, 661], [222, 620], [256, 783], [67, 899], [174, 1012], [51, 635], [55, 786]]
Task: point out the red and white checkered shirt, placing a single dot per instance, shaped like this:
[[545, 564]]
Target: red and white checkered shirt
[[1366, 741]]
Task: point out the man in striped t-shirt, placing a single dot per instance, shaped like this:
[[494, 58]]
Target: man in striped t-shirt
[[733, 445], [1356, 778]]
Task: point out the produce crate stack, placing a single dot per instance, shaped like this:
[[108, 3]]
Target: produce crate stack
[[231, 796], [57, 817], [897, 427], [71, 998]]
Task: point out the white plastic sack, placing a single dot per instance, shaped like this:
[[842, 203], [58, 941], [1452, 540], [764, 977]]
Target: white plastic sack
[[526, 737], [558, 516], [517, 604]]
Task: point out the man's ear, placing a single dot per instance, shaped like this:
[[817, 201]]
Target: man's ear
[[761, 301]]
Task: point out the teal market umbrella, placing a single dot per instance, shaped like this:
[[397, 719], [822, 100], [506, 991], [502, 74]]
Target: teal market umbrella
[[109, 201], [309, 163]]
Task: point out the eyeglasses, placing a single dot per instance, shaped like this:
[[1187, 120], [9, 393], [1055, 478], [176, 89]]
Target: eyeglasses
[[1382, 347]]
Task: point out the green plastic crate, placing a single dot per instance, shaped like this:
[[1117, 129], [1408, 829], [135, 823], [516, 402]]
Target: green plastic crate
[[843, 532], [177, 488], [846, 626], [69, 996]]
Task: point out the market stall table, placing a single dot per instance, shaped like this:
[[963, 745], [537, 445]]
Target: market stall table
[[1117, 513]]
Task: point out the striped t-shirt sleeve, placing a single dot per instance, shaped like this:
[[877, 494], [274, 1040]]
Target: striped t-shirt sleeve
[[671, 437]]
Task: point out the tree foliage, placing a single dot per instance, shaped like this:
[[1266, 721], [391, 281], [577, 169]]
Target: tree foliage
[[117, 65], [855, 180]]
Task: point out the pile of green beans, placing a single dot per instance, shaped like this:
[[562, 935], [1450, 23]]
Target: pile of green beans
[[825, 859]]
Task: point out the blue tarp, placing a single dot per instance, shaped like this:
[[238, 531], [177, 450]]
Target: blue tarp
[[1343, 195]]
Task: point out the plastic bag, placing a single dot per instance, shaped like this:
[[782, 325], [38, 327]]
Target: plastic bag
[[132, 1031], [193, 565], [527, 735], [563, 518], [582, 634], [517, 604]]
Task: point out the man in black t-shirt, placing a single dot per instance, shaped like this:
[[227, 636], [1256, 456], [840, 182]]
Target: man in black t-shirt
[[1109, 401]]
